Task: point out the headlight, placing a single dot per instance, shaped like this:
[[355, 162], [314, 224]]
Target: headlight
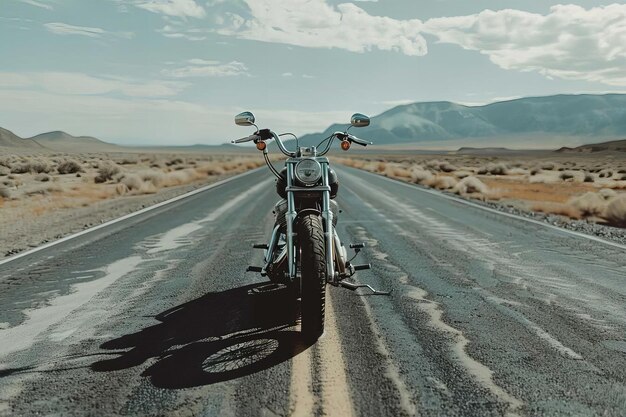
[[308, 171]]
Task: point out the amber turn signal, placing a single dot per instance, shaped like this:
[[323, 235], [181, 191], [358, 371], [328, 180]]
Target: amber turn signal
[[261, 145], [345, 145]]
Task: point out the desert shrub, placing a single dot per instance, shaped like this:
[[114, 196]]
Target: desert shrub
[[622, 171], [250, 164], [517, 171], [616, 211], [442, 183], [38, 166], [127, 161], [106, 173], [462, 174], [69, 166], [180, 177], [470, 185], [132, 182], [493, 169], [211, 170], [566, 175], [548, 166], [8, 183], [153, 177], [5, 192], [589, 178], [607, 193], [147, 188], [433, 164], [419, 176], [42, 177], [589, 204], [121, 189], [4, 171], [174, 161], [447, 167], [396, 171], [20, 168], [535, 171]]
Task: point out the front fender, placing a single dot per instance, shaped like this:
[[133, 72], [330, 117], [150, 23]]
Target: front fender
[[306, 211]]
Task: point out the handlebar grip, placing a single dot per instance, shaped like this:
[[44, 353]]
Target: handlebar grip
[[359, 141], [246, 139]]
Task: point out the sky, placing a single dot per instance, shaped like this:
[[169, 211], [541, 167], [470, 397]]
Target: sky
[[175, 72]]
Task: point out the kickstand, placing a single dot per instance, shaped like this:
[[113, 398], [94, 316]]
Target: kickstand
[[353, 287]]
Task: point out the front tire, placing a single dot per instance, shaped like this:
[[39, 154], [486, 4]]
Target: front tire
[[313, 275]]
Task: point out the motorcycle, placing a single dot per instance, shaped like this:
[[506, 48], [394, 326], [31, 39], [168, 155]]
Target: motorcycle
[[304, 250]]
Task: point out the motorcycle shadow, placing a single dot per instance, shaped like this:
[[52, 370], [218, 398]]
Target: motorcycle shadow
[[217, 337]]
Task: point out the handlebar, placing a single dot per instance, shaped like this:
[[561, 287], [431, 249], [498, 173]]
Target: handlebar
[[266, 134]]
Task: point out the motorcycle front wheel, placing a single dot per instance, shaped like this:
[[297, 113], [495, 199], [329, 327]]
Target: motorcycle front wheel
[[313, 275]]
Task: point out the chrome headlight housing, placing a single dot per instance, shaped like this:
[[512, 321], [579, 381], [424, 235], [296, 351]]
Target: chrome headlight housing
[[308, 171]]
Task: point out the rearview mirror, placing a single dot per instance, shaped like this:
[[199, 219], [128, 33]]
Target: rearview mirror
[[244, 119], [359, 120]]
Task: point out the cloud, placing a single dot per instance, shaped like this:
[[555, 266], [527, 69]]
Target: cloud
[[65, 29], [203, 68], [170, 31], [569, 42], [38, 4], [68, 83], [316, 24], [175, 8]]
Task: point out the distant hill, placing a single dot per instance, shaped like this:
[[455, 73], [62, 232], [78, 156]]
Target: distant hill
[[585, 118], [11, 140], [64, 142], [613, 146]]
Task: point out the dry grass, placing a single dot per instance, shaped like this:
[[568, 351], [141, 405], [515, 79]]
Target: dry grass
[[52, 182]]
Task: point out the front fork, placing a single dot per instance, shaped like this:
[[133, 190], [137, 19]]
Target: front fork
[[327, 216], [329, 232]]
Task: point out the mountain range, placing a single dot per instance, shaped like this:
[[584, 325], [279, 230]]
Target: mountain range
[[56, 141], [585, 118], [534, 122], [64, 142]]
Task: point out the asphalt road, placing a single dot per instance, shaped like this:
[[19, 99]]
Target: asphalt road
[[490, 315]]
